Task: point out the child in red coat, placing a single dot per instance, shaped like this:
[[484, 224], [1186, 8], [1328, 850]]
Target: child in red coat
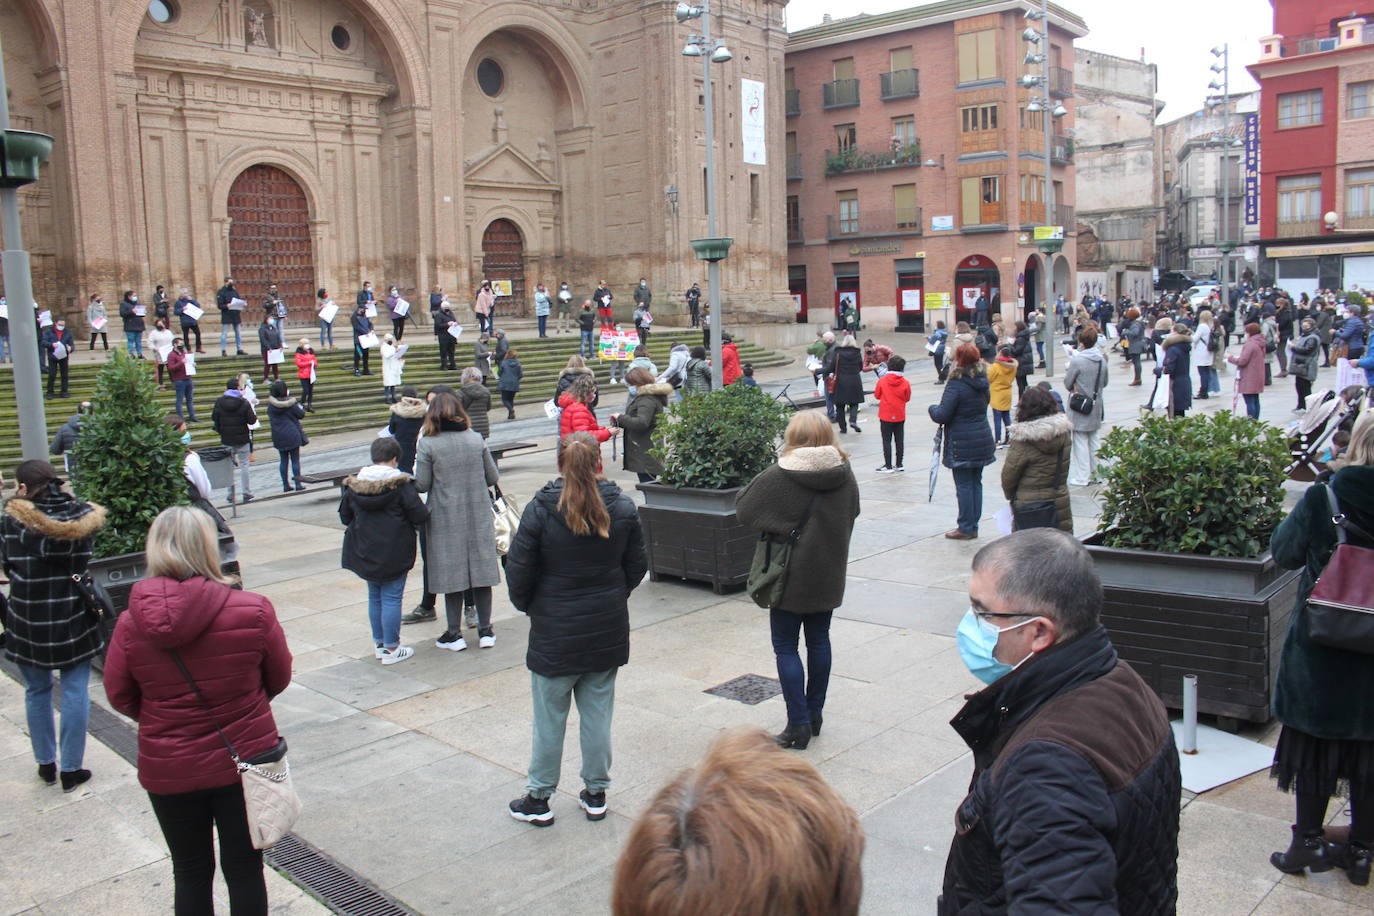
[[305, 373], [577, 415], [892, 391]]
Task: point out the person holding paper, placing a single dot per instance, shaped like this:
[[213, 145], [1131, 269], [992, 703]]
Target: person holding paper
[[443, 320], [398, 318], [393, 364], [5, 334], [603, 298], [365, 295], [541, 309], [229, 317], [564, 308], [178, 366], [98, 320], [362, 328], [484, 306], [160, 339], [189, 311], [58, 343], [161, 303], [305, 373], [325, 310], [273, 305], [269, 338], [129, 313]]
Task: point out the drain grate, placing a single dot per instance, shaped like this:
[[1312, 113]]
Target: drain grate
[[749, 689]]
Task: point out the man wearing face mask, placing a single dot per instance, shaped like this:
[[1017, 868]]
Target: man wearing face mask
[[58, 344], [1074, 803]]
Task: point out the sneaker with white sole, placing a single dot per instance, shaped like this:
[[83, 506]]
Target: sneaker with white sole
[[532, 810], [486, 642], [451, 641], [398, 654], [884, 469], [899, 470], [594, 803], [378, 652]]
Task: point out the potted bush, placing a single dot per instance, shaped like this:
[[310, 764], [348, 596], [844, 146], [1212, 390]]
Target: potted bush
[[711, 445], [1188, 507]]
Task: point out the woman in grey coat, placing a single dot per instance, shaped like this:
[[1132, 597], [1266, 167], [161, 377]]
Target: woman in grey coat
[[453, 466], [1086, 375], [1302, 365]]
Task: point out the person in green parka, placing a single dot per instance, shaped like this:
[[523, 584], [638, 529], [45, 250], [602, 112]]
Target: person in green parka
[[648, 399], [1324, 696]]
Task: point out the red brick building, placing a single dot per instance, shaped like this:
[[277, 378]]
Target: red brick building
[[1316, 76], [914, 167]]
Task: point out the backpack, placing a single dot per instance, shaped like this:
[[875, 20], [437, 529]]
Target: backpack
[[1214, 340]]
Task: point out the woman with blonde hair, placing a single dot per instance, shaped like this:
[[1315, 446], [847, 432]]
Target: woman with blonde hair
[[748, 818], [575, 558], [453, 465], [810, 491], [186, 623]]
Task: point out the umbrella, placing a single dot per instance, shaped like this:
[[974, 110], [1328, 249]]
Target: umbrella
[[935, 461]]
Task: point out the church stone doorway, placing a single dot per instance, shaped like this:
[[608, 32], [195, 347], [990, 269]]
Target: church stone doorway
[[503, 258], [269, 242]]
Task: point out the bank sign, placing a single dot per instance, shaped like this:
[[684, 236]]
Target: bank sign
[[1252, 170]]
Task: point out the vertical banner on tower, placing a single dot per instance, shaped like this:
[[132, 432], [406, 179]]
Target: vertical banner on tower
[[1252, 169], [752, 120]]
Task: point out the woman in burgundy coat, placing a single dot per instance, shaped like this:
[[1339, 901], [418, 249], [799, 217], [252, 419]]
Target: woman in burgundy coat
[[1251, 362], [234, 648]]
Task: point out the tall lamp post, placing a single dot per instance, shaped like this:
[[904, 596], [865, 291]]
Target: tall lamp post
[[1048, 247], [1225, 244], [22, 152], [711, 249]]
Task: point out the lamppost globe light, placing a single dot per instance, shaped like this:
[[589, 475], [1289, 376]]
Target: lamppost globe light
[[1030, 80], [685, 11], [1032, 36], [721, 54], [1035, 105], [691, 49], [1059, 111]]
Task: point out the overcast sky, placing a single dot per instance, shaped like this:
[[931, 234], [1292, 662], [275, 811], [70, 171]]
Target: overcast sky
[[1177, 35]]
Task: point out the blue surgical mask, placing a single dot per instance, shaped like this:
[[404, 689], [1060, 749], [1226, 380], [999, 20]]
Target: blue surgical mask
[[632, 390], [186, 438], [977, 640]]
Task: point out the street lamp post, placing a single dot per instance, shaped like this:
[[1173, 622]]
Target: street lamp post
[[21, 154], [711, 249], [1048, 247], [1225, 244]]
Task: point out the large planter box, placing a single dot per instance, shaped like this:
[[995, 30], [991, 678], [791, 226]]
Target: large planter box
[[1222, 619], [695, 534]]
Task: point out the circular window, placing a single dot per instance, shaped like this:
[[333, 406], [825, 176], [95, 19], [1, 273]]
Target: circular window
[[162, 11], [340, 37], [490, 77]]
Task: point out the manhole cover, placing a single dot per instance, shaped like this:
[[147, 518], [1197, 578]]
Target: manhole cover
[[749, 689]]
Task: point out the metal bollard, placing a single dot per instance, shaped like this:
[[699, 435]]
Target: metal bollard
[[1189, 714]]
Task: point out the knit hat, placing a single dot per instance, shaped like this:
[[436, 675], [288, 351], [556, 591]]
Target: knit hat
[[1164, 324]]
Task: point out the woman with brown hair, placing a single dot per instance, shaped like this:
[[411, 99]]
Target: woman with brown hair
[[811, 490], [749, 821], [968, 443], [573, 562], [453, 466], [1037, 465], [579, 411], [648, 399]]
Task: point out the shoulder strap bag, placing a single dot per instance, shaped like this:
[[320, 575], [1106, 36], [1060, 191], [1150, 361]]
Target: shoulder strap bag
[[268, 795], [506, 517], [772, 558], [1340, 610], [1039, 513], [1082, 403]]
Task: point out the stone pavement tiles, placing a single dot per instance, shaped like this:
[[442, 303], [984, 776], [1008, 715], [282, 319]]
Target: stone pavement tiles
[[406, 770]]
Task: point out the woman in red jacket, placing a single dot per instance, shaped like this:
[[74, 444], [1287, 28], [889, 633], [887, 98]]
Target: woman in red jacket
[[305, 373], [577, 415], [234, 648]]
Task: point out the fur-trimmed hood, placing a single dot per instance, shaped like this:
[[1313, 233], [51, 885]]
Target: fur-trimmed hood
[[818, 467], [1179, 335], [576, 370], [1044, 433], [662, 389], [409, 408], [282, 405], [374, 485], [65, 520]]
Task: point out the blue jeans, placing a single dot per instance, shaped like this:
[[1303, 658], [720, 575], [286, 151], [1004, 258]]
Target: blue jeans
[[804, 698], [586, 348], [133, 342], [293, 456], [184, 388], [1040, 349], [1213, 380], [543, 324], [5, 348], [968, 488], [224, 336], [76, 708], [326, 334], [1001, 419], [1251, 406], [384, 610], [595, 694]]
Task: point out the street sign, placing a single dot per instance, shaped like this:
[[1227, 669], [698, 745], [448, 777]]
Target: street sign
[[1047, 233], [937, 300]]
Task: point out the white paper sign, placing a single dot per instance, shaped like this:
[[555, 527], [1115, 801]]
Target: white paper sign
[[455, 331], [98, 324], [564, 295], [911, 300], [276, 357], [237, 304], [192, 311], [401, 351], [371, 310], [1003, 519], [753, 132], [140, 310], [4, 309], [59, 350], [190, 364], [402, 308], [328, 311], [45, 319], [162, 353], [368, 341]]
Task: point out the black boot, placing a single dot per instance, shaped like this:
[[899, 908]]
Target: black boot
[[1355, 859], [1307, 851], [798, 737], [816, 720]]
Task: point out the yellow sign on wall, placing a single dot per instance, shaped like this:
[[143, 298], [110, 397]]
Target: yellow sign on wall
[[501, 287], [937, 300], [1043, 233]]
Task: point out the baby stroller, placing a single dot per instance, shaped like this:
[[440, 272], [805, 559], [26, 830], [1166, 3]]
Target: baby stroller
[[1310, 437]]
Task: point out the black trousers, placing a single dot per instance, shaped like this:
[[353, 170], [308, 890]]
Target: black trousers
[[398, 328], [894, 432], [103, 339], [55, 366], [186, 333], [508, 400], [186, 820], [446, 347], [358, 351], [307, 392], [1304, 388]]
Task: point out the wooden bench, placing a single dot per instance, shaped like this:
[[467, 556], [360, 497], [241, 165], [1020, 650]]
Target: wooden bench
[[337, 476]]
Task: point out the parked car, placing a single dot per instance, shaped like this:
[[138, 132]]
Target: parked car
[[1202, 292], [1174, 281]]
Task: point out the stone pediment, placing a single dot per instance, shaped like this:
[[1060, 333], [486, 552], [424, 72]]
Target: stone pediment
[[506, 166]]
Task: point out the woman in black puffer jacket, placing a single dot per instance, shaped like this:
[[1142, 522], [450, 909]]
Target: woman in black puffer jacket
[[575, 558], [845, 364], [288, 435], [968, 446]]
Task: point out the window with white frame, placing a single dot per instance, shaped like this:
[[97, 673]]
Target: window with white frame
[[1359, 100], [1300, 198], [1359, 192], [1300, 109]]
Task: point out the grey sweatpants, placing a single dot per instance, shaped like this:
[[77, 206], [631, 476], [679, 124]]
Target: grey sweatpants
[[595, 695]]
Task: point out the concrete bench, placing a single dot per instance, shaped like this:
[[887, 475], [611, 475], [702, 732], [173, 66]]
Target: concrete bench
[[337, 476]]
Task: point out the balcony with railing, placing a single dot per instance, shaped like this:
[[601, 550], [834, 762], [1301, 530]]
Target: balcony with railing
[[1357, 221], [794, 167], [982, 141], [900, 84], [792, 101], [1061, 82], [874, 224], [1061, 149], [992, 215], [1298, 227], [1033, 214], [871, 159], [794, 230], [840, 94]]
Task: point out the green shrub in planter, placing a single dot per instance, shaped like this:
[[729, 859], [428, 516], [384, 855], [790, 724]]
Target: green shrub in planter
[[1355, 297], [128, 459], [1205, 484], [720, 439]]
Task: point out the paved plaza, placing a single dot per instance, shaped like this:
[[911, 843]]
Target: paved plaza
[[406, 770]]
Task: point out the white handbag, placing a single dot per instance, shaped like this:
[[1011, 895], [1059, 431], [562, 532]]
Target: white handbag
[[507, 519]]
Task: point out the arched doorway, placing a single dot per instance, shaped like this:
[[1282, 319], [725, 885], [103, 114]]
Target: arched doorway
[[976, 275], [269, 241], [503, 258], [1030, 286]]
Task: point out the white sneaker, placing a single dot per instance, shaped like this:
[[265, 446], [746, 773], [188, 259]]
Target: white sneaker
[[451, 641], [378, 652], [398, 654], [884, 469], [486, 642]]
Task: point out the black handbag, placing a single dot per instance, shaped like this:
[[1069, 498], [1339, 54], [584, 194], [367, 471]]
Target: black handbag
[[94, 599], [1082, 403], [1038, 513]]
